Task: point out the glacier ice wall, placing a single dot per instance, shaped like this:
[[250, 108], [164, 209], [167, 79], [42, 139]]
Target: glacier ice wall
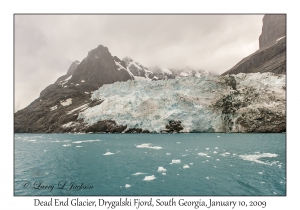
[[204, 104]]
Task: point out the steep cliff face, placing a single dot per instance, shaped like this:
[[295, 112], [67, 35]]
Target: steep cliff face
[[274, 27], [271, 56]]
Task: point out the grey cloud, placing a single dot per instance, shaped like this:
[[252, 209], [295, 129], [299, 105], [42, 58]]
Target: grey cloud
[[46, 45]]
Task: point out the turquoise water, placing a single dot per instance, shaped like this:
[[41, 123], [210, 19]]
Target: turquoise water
[[150, 164]]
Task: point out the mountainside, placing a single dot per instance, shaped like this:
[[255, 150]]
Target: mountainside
[[274, 27], [46, 113], [271, 57]]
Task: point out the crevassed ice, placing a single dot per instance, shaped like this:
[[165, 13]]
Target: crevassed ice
[[150, 105]]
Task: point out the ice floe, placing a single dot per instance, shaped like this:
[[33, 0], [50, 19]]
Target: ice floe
[[79, 142], [127, 185], [255, 158], [176, 161], [138, 173], [149, 178], [149, 146], [186, 166], [161, 169], [225, 154], [108, 153]]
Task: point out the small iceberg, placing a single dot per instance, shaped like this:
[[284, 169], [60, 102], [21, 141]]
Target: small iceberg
[[149, 178]]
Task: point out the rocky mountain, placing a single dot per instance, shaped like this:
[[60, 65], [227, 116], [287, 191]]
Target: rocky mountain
[[271, 56], [48, 112], [274, 27]]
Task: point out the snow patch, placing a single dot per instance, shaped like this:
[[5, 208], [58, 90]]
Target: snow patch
[[81, 108], [67, 102], [53, 108]]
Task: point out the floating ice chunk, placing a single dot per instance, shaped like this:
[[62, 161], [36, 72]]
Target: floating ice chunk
[[216, 147], [138, 173], [207, 177], [127, 185], [186, 166], [45, 150], [260, 172], [32, 140], [176, 161], [208, 156], [218, 159], [79, 142], [164, 174], [256, 157], [161, 169], [218, 136], [178, 142], [78, 146], [225, 154], [202, 154], [215, 152], [67, 145], [146, 145], [108, 153], [76, 84], [82, 81], [168, 153], [191, 163], [149, 178], [207, 148]]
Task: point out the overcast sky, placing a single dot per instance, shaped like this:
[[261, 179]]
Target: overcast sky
[[46, 45]]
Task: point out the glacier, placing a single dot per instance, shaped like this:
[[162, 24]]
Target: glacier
[[231, 103]]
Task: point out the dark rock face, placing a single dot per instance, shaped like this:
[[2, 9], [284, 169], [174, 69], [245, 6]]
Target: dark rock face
[[174, 126], [274, 27], [271, 57], [61, 102], [99, 68]]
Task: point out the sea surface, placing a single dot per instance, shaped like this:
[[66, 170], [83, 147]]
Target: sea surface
[[150, 164]]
